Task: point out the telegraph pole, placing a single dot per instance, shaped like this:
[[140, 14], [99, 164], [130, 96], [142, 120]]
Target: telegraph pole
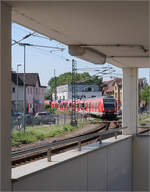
[[73, 112]]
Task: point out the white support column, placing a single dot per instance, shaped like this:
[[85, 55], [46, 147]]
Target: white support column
[[130, 90], [5, 99]]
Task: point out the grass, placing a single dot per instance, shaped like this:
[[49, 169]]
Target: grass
[[40, 132], [33, 134], [144, 119]]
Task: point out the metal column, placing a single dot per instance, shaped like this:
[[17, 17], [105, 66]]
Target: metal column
[[73, 112]]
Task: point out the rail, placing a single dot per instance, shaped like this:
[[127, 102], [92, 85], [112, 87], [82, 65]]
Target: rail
[[77, 139]]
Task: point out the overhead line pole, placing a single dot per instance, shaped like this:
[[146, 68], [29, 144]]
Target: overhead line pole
[[73, 112], [24, 45], [24, 117]]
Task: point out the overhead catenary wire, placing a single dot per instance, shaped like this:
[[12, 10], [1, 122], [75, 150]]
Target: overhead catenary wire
[[23, 38], [42, 46], [42, 37]]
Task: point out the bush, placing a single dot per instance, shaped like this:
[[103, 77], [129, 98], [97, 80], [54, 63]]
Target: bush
[[33, 134]]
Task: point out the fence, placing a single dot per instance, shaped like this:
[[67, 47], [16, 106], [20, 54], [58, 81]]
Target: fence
[[57, 119]]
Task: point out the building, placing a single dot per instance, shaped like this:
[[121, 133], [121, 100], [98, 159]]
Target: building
[[114, 88], [35, 92], [83, 90]]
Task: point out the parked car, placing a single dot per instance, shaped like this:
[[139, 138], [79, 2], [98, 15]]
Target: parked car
[[44, 118], [17, 119], [29, 119], [17, 114]]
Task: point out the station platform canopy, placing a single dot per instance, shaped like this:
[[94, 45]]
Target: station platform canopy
[[115, 32]]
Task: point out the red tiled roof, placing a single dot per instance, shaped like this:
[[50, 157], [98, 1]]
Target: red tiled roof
[[31, 79]]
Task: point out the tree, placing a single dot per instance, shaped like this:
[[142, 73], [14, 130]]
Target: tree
[[48, 96], [66, 78], [145, 94]]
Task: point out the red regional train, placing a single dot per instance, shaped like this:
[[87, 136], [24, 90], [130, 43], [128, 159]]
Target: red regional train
[[103, 107]]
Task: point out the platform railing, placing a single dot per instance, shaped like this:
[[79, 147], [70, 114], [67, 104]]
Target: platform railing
[[79, 139]]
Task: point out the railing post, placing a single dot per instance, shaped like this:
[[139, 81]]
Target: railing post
[[116, 135], [79, 146], [100, 139], [49, 154]]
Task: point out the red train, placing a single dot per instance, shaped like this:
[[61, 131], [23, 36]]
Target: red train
[[103, 107]]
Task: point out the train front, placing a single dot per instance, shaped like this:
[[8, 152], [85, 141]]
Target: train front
[[109, 107]]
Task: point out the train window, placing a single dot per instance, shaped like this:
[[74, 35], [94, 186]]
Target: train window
[[77, 105], [109, 104], [82, 105]]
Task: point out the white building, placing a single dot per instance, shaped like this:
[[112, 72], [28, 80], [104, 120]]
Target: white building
[[88, 90], [34, 93]]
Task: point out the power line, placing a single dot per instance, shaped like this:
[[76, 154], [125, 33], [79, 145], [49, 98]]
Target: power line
[[42, 37], [41, 46], [25, 37]]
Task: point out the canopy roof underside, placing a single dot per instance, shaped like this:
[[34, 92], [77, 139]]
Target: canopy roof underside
[[118, 30]]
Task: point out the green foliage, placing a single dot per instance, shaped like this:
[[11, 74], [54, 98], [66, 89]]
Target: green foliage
[[48, 96], [33, 134], [22, 138], [49, 109], [145, 94], [66, 78]]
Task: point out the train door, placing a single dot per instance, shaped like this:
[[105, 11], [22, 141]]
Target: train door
[[100, 105], [86, 106], [70, 105], [90, 106], [77, 105], [95, 106]]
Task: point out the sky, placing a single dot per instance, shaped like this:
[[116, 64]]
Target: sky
[[45, 60]]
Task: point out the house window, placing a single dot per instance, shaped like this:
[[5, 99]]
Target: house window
[[13, 89], [88, 89]]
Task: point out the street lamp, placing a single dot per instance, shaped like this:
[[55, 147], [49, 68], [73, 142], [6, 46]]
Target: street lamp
[[17, 87]]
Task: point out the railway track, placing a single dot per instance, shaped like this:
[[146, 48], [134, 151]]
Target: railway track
[[46, 150]]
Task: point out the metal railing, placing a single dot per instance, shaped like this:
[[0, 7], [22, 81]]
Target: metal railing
[[77, 139]]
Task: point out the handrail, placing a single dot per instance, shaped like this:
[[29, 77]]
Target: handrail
[[100, 135], [76, 139]]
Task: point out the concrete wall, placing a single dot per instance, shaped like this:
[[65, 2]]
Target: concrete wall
[[141, 163], [104, 169]]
